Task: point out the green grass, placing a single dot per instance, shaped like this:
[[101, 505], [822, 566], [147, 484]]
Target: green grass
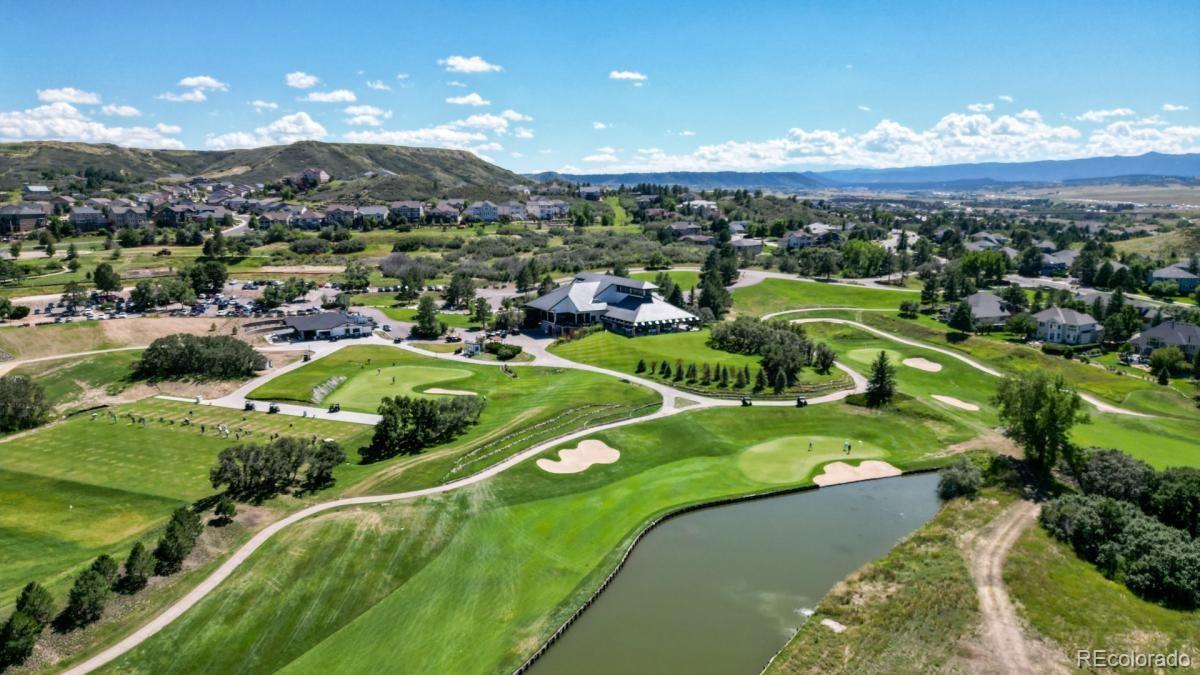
[[409, 315], [789, 459], [85, 487], [907, 611], [536, 404], [620, 353], [620, 216], [1068, 601], [475, 580], [68, 380], [777, 295], [685, 279]]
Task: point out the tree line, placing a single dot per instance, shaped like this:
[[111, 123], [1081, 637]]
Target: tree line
[[254, 472], [208, 356]]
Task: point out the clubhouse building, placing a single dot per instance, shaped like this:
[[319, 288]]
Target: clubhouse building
[[626, 306]]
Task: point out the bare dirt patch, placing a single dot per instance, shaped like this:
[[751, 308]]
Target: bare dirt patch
[[955, 402], [837, 473], [579, 458], [303, 269], [923, 364]]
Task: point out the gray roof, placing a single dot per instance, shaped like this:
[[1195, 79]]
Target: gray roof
[[746, 242], [589, 292], [1066, 256], [1064, 316], [985, 305], [1173, 272], [1175, 333], [322, 321], [653, 309]]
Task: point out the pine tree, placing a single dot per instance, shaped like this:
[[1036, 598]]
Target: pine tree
[[881, 386], [641, 366], [724, 377], [740, 381], [138, 568], [746, 375], [706, 376], [678, 369], [665, 371], [780, 382], [760, 380], [691, 372]]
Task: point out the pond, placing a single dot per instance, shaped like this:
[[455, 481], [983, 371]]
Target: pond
[[721, 590]]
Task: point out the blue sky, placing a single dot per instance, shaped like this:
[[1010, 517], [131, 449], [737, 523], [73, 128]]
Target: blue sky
[[612, 86]]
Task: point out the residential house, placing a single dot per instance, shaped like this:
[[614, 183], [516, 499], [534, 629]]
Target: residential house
[[484, 211], [547, 209], [18, 219], [1178, 273], [376, 214], [1066, 326], [684, 228], [513, 210], [688, 197], [444, 212], [704, 208], [698, 239], [626, 306], [97, 202], [340, 214], [644, 201], [275, 218], [174, 215], [328, 325], [408, 211], [987, 310], [738, 227], [747, 245], [1058, 262], [314, 176], [86, 218], [309, 220], [798, 239], [127, 216], [1185, 336], [62, 203], [36, 193], [1046, 246], [591, 193]]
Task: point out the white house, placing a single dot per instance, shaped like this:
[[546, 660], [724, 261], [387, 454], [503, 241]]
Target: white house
[[1066, 326], [627, 306], [484, 211]]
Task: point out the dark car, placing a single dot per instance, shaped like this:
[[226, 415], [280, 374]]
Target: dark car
[[248, 406]]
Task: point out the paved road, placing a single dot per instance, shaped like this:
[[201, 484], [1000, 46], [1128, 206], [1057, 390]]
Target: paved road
[[1101, 406]]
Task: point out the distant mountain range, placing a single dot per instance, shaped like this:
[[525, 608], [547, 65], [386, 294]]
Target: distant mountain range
[[405, 171], [954, 176]]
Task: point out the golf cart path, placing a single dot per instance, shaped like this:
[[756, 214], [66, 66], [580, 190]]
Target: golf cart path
[[1100, 406], [8, 366], [243, 553], [1003, 635]]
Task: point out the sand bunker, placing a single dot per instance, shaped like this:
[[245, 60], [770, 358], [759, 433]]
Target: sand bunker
[[450, 392], [951, 401], [923, 364], [833, 625], [574, 460], [837, 473]]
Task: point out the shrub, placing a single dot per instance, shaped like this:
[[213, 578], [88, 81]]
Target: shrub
[[503, 350], [411, 424], [1112, 473], [23, 403], [209, 356], [960, 479], [310, 246]]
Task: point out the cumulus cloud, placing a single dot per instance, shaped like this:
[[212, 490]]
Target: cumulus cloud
[[260, 105], [981, 107], [1005, 97], [63, 121], [442, 136], [628, 75], [193, 96], [301, 80], [203, 82], [1173, 107], [687, 132], [378, 85], [366, 115], [865, 108], [497, 124], [468, 64], [957, 137], [114, 110], [287, 129], [456, 83], [335, 96], [599, 126], [469, 99], [1099, 116], [523, 133], [601, 156], [68, 95], [514, 116], [401, 76]]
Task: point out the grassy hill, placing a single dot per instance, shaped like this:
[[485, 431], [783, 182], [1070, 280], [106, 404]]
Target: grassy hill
[[402, 171]]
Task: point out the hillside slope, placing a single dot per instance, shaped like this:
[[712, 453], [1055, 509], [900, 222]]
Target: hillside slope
[[424, 170]]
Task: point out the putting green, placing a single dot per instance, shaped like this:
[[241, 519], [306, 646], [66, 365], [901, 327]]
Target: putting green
[[788, 459], [364, 390], [867, 356]]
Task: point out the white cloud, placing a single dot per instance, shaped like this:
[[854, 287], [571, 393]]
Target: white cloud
[[981, 107], [193, 96], [401, 76], [114, 110], [440, 136], [68, 95], [523, 133], [287, 129], [606, 150], [599, 126], [366, 115], [516, 155], [335, 96], [1099, 116], [378, 85], [546, 151], [62, 121], [468, 64], [301, 80], [496, 124], [601, 157], [1173, 107], [1136, 137], [865, 108], [456, 83], [1005, 97], [487, 147], [203, 82], [260, 105], [514, 116], [167, 128], [687, 132], [630, 75], [469, 99]]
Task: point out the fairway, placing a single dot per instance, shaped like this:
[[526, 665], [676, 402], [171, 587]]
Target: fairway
[[777, 295], [363, 390], [685, 279], [83, 487], [790, 459], [475, 580], [68, 381]]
